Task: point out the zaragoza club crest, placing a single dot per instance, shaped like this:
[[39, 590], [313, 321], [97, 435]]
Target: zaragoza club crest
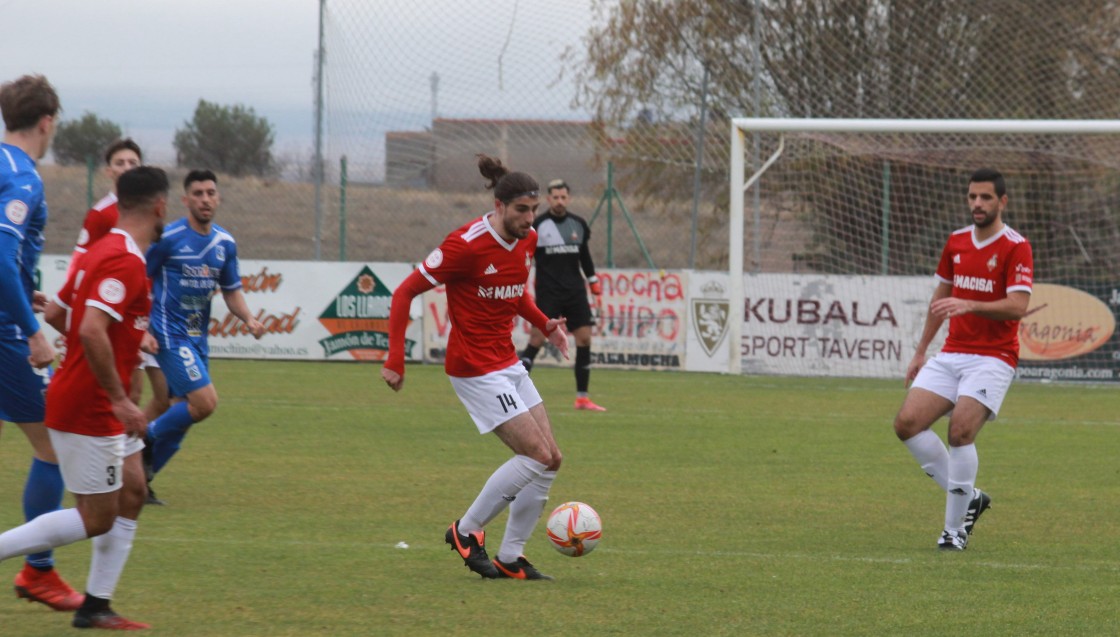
[[358, 320], [709, 316]]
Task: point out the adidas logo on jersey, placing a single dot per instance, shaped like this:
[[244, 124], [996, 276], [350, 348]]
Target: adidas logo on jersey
[[490, 269], [185, 249]]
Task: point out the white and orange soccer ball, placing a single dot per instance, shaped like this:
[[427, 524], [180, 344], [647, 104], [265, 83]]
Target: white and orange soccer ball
[[574, 529]]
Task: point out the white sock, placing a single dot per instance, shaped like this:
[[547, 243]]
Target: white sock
[[931, 454], [501, 489], [110, 552], [524, 513], [963, 466], [48, 531]]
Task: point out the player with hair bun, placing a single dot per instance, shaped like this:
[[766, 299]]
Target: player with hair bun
[[485, 267]]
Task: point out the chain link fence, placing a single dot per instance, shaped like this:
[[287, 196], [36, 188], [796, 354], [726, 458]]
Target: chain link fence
[[630, 102]]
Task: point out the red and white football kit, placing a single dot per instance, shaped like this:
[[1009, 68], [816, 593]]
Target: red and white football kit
[[100, 219], [486, 278], [111, 277], [986, 271]]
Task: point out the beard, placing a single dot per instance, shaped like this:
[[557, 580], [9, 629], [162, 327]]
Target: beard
[[989, 219]]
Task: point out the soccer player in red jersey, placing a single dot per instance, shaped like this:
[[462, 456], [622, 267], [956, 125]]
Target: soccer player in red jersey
[[96, 430], [485, 267], [121, 156], [984, 287]]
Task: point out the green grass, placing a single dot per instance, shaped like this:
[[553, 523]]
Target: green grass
[[731, 505]]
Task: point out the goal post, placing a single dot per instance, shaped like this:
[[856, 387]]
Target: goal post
[[1057, 146]]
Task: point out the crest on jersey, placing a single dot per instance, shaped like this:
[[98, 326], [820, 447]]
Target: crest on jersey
[[111, 291], [992, 263], [434, 259], [709, 317], [16, 211], [956, 258], [220, 252], [528, 260]]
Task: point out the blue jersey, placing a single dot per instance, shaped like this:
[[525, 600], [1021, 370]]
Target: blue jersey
[[186, 268], [22, 220]]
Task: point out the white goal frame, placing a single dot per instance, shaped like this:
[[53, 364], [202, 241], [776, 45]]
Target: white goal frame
[[742, 126]]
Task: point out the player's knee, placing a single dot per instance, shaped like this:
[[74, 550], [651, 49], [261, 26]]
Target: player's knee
[[557, 459], [203, 405], [99, 521], [906, 425]]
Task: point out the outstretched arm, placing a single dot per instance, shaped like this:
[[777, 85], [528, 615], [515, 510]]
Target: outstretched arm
[[235, 301], [529, 311], [414, 285]]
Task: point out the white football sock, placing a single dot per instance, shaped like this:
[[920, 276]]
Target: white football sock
[[964, 464], [524, 513], [931, 454], [48, 531], [110, 552], [501, 489]]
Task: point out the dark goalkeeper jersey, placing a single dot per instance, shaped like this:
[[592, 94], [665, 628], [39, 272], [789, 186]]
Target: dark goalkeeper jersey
[[562, 253]]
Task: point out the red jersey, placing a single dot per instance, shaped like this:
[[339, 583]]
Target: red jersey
[[111, 277], [100, 219], [986, 271], [485, 278]]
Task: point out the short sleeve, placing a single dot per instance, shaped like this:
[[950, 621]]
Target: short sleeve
[[1020, 268], [97, 224], [230, 277], [945, 266], [116, 284]]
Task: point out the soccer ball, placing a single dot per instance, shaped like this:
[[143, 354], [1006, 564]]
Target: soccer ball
[[574, 529]]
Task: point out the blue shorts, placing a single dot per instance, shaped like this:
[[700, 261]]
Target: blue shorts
[[184, 365], [23, 389]]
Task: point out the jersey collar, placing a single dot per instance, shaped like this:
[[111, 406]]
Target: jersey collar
[[129, 243], [494, 233], [990, 240]]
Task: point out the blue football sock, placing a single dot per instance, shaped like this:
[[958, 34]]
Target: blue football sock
[[167, 432], [42, 494]]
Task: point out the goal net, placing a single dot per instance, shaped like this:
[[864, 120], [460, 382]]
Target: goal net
[[837, 226]]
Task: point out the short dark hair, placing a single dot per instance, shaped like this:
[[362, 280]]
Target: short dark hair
[[557, 184], [198, 175], [26, 100], [125, 143], [992, 176], [141, 186]]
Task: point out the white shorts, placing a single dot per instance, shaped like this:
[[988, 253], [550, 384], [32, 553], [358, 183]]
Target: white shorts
[[147, 360], [495, 398], [92, 464], [983, 378]]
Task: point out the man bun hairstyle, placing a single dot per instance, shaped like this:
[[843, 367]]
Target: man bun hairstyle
[[506, 185], [140, 187]]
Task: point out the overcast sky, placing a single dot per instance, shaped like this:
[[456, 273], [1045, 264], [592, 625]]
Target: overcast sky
[[145, 64]]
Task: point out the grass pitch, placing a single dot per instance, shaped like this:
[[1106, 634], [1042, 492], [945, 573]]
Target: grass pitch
[[731, 506]]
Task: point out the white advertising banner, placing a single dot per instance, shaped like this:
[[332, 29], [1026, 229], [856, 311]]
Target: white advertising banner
[[639, 322], [311, 310], [708, 309], [823, 325]]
